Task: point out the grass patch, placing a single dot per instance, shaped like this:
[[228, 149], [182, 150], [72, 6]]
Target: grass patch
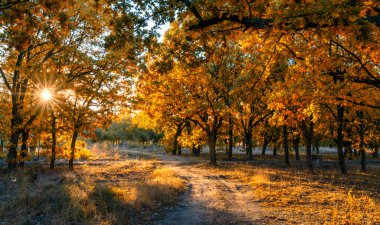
[[118, 192], [324, 198]]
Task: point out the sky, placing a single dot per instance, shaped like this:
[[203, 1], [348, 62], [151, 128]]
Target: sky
[[162, 31]]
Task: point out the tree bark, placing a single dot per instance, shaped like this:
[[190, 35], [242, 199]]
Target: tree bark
[[175, 142], [12, 153], [24, 147], [72, 148], [244, 146], [361, 145], [249, 143], [348, 150], [53, 139], [179, 149], [275, 149], [285, 143], [212, 146], [265, 145], [296, 144], [308, 132], [196, 150], [18, 92], [2, 145], [340, 118], [316, 144], [230, 137], [16, 120]]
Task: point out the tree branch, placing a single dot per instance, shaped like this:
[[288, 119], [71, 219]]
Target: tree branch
[[292, 52], [262, 23], [256, 23], [5, 80], [359, 103], [356, 57], [192, 8]]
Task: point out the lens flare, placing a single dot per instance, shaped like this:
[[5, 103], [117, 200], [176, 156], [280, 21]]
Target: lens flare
[[46, 95]]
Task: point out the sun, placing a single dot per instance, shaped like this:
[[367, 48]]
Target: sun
[[46, 95]]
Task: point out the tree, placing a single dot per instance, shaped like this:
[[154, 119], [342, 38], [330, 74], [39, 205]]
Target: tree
[[312, 33], [29, 44], [77, 39]]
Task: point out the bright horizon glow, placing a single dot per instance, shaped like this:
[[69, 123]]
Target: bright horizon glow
[[46, 95]]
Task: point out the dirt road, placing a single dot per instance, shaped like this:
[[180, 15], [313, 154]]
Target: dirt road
[[210, 198]]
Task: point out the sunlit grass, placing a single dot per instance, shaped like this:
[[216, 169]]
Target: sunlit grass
[[119, 192], [300, 197]]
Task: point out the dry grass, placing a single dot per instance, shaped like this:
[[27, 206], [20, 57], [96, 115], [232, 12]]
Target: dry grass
[[119, 192], [297, 197]]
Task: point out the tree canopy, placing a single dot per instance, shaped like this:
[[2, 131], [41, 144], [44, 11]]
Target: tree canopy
[[225, 72]]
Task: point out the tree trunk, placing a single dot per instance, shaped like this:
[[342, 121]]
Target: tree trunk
[[39, 148], [296, 144], [175, 142], [363, 159], [12, 153], [265, 145], [249, 143], [174, 148], [179, 149], [245, 149], [2, 145], [316, 143], [230, 137], [308, 132], [53, 139], [275, 149], [361, 145], [72, 148], [24, 147], [342, 162], [195, 150], [285, 143], [348, 150], [212, 146], [16, 120]]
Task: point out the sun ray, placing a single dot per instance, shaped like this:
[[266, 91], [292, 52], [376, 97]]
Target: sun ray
[[46, 95]]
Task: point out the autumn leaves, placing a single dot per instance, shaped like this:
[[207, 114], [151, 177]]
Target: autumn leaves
[[307, 67]]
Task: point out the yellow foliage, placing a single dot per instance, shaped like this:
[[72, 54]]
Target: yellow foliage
[[64, 151]]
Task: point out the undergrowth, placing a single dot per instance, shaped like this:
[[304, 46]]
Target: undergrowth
[[119, 192], [296, 196]]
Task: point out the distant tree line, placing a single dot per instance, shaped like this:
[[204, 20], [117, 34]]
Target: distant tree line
[[124, 132]]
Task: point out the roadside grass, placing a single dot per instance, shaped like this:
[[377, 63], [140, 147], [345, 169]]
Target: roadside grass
[[327, 156], [118, 192], [296, 196]]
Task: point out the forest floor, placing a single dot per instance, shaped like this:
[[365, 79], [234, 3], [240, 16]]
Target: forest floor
[[151, 187], [238, 192], [126, 190]]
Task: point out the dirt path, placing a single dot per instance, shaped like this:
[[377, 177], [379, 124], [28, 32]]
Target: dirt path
[[210, 198]]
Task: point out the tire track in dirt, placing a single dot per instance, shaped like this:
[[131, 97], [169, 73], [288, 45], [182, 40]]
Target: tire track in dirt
[[210, 198]]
